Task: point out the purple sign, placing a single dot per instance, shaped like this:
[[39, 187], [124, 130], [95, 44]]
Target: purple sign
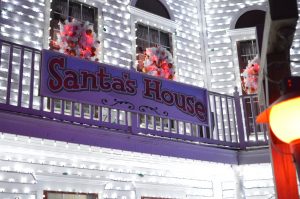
[[78, 80]]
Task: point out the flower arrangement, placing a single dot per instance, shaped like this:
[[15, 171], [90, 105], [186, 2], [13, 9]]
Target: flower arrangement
[[157, 61], [250, 76], [78, 39]]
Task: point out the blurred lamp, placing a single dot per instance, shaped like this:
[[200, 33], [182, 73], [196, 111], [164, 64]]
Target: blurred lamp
[[283, 115]]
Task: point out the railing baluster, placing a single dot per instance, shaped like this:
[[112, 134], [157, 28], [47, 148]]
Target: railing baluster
[[125, 118], [62, 110], [184, 128], [81, 110], [234, 120], [73, 109], [21, 77], [1, 44], [92, 108], [109, 115], [154, 123], [222, 118], [210, 118], [239, 118], [216, 117], [9, 74], [247, 127], [177, 127], [100, 114], [228, 119], [253, 114], [197, 129], [146, 121], [135, 122], [138, 122], [31, 80], [51, 105], [118, 116]]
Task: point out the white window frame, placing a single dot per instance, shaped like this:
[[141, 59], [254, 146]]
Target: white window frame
[[236, 35], [97, 4], [149, 19]]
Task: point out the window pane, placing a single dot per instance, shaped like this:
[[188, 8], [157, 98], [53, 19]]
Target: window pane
[[141, 45], [154, 44], [63, 9], [154, 37], [54, 24], [75, 10], [60, 6], [55, 196], [70, 196], [247, 51], [142, 32], [164, 39], [88, 14]]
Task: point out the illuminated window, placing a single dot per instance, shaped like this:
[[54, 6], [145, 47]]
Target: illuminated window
[[248, 49], [66, 10], [147, 36]]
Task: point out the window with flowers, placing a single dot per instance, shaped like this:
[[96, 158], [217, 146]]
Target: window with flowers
[[249, 65], [247, 50], [73, 31], [154, 52], [154, 45], [62, 10]]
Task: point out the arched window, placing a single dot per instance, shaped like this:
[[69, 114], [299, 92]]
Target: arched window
[[248, 49], [154, 7], [251, 18], [148, 36]]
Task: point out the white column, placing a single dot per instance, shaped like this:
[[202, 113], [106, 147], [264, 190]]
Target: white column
[[240, 192]]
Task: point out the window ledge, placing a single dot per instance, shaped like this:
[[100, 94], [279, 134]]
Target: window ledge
[[152, 19], [241, 31]]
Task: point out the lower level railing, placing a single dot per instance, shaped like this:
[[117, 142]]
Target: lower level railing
[[231, 118]]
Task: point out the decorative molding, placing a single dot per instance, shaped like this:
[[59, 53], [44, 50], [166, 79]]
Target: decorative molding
[[146, 17], [133, 2], [254, 156], [241, 32], [243, 11]]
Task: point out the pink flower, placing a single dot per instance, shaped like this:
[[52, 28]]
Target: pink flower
[[150, 68], [154, 58]]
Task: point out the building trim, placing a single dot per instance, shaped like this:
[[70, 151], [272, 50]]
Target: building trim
[[243, 11], [133, 2], [72, 133], [143, 16]]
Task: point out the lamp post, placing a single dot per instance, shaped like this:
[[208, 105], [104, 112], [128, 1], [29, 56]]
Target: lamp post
[[280, 23], [283, 116]]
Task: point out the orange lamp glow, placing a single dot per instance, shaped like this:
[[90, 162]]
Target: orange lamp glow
[[284, 114], [284, 119]]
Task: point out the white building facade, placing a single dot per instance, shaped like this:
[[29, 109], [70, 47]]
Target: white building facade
[[205, 44]]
